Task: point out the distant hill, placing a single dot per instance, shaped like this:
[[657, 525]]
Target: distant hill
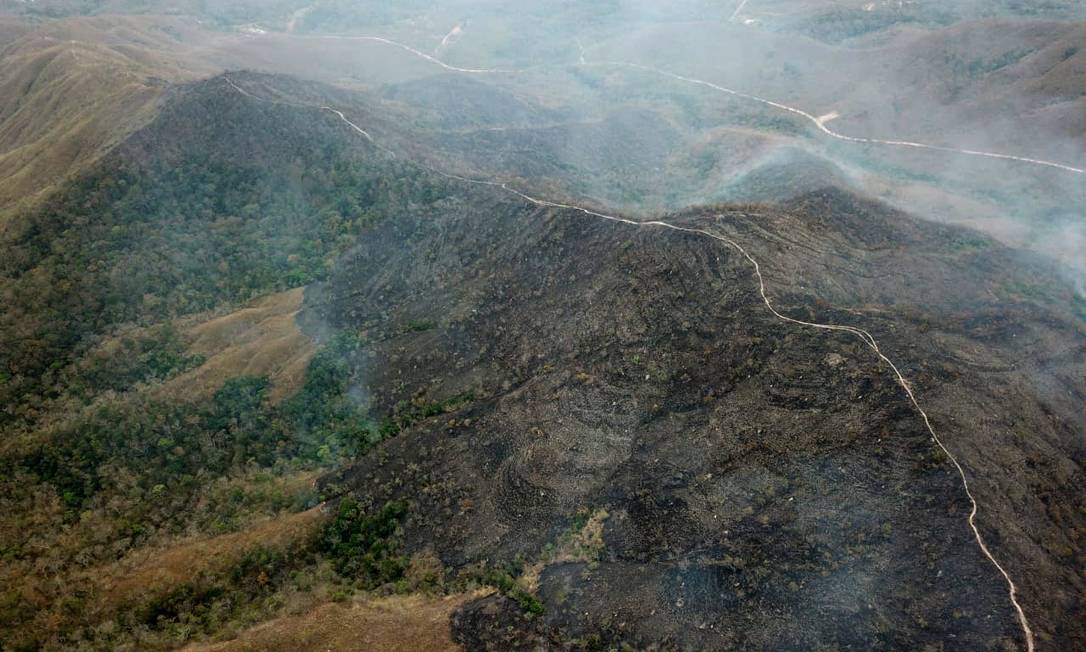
[[70, 91]]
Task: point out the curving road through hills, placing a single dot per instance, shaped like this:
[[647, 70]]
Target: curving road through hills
[[862, 334], [819, 123]]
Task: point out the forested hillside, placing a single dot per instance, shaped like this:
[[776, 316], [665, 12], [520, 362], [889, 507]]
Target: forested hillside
[[221, 199]]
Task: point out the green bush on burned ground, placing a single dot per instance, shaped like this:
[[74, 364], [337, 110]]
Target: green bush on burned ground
[[507, 584], [408, 413], [419, 326]]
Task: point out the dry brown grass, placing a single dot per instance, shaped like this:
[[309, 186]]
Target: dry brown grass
[[152, 571], [71, 89], [260, 339], [411, 623]]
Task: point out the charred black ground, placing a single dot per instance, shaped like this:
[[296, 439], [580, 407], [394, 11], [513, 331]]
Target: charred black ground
[[765, 486]]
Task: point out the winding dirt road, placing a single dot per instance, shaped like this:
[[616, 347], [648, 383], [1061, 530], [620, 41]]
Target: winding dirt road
[[452, 37], [735, 14], [817, 122], [820, 123], [862, 334]]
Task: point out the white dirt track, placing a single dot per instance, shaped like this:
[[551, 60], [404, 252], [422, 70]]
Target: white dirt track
[[817, 122], [862, 334]]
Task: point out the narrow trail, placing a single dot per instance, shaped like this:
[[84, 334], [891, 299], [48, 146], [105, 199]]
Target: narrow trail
[[352, 125], [738, 9], [819, 123], [862, 334], [453, 36], [299, 105], [432, 59], [298, 16]]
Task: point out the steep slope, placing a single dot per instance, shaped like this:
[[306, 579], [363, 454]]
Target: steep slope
[[293, 202], [155, 388], [764, 485]]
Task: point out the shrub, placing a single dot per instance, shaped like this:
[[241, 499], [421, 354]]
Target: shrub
[[363, 547]]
